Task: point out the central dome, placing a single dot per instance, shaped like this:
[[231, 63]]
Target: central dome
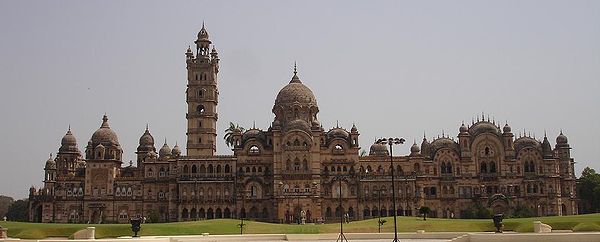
[[295, 93], [104, 134], [295, 101]]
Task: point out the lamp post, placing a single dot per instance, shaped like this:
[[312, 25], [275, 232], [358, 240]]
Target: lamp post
[[390, 142], [341, 237]]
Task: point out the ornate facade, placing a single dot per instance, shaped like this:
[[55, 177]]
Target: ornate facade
[[296, 167]]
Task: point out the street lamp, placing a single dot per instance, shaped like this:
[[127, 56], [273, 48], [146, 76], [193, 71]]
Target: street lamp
[[390, 142], [341, 237]]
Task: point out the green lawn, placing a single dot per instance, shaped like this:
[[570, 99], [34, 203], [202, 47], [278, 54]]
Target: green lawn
[[589, 222]]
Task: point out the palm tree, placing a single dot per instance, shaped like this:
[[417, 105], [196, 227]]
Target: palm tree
[[233, 128]]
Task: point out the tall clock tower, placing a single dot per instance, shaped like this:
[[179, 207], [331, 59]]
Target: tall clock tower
[[202, 97]]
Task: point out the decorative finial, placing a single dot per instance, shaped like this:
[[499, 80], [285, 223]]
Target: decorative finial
[[146, 126], [165, 140], [295, 68], [561, 132], [69, 127], [50, 155], [545, 134], [482, 116], [202, 24], [337, 123], [254, 124]]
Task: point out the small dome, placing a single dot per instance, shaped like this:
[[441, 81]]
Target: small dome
[[252, 133], [68, 143], [50, 163], [444, 142], [484, 127], [68, 139], [176, 150], [414, 149], [463, 128], [338, 133], [164, 151], [525, 141], [104, 134], [378, 150], [506, 129], [561, 139], [146, 141]]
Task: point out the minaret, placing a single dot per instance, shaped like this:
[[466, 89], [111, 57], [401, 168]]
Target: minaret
[[202, 97]]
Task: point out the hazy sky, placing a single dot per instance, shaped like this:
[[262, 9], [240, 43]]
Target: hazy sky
[[394, 68]]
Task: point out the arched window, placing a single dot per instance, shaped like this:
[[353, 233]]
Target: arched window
[[194, 169], [305, 164], [483, 167], [449, 168], [443, 167], [254, 150], [296, 166], [227, 169], [202, 169], [218, 168], [186, 169], [338, 147]]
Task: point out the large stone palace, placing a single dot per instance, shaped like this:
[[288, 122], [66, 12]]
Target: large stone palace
[[297, 169]]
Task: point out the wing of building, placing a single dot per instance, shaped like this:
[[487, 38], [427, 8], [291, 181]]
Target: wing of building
[[295, 170]]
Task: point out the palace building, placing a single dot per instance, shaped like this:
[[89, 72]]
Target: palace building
[[296, 169]]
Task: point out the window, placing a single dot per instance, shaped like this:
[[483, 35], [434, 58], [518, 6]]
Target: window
[[254, 150], [200, 109], [338, 148], [296, 166]]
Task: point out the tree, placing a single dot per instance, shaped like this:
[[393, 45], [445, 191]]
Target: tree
[[4, 204], [425, 211], [589, 189], [18, 211], [233, 128]]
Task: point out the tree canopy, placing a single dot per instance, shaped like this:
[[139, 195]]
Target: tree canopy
[[589, 190]]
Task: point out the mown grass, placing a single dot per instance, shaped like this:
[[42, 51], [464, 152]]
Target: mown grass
[[588, 222]]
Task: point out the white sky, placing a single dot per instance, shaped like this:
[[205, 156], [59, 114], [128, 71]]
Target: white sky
[[395, 68]]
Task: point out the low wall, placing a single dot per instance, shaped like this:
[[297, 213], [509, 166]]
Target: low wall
[[531, 237]]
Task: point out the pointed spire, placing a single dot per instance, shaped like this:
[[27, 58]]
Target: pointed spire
[[254, 124], [69, 128], [104, 121], [295, 78], [337, 123], [165, 141], [147, 127], [295, 68], [202, 24]]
